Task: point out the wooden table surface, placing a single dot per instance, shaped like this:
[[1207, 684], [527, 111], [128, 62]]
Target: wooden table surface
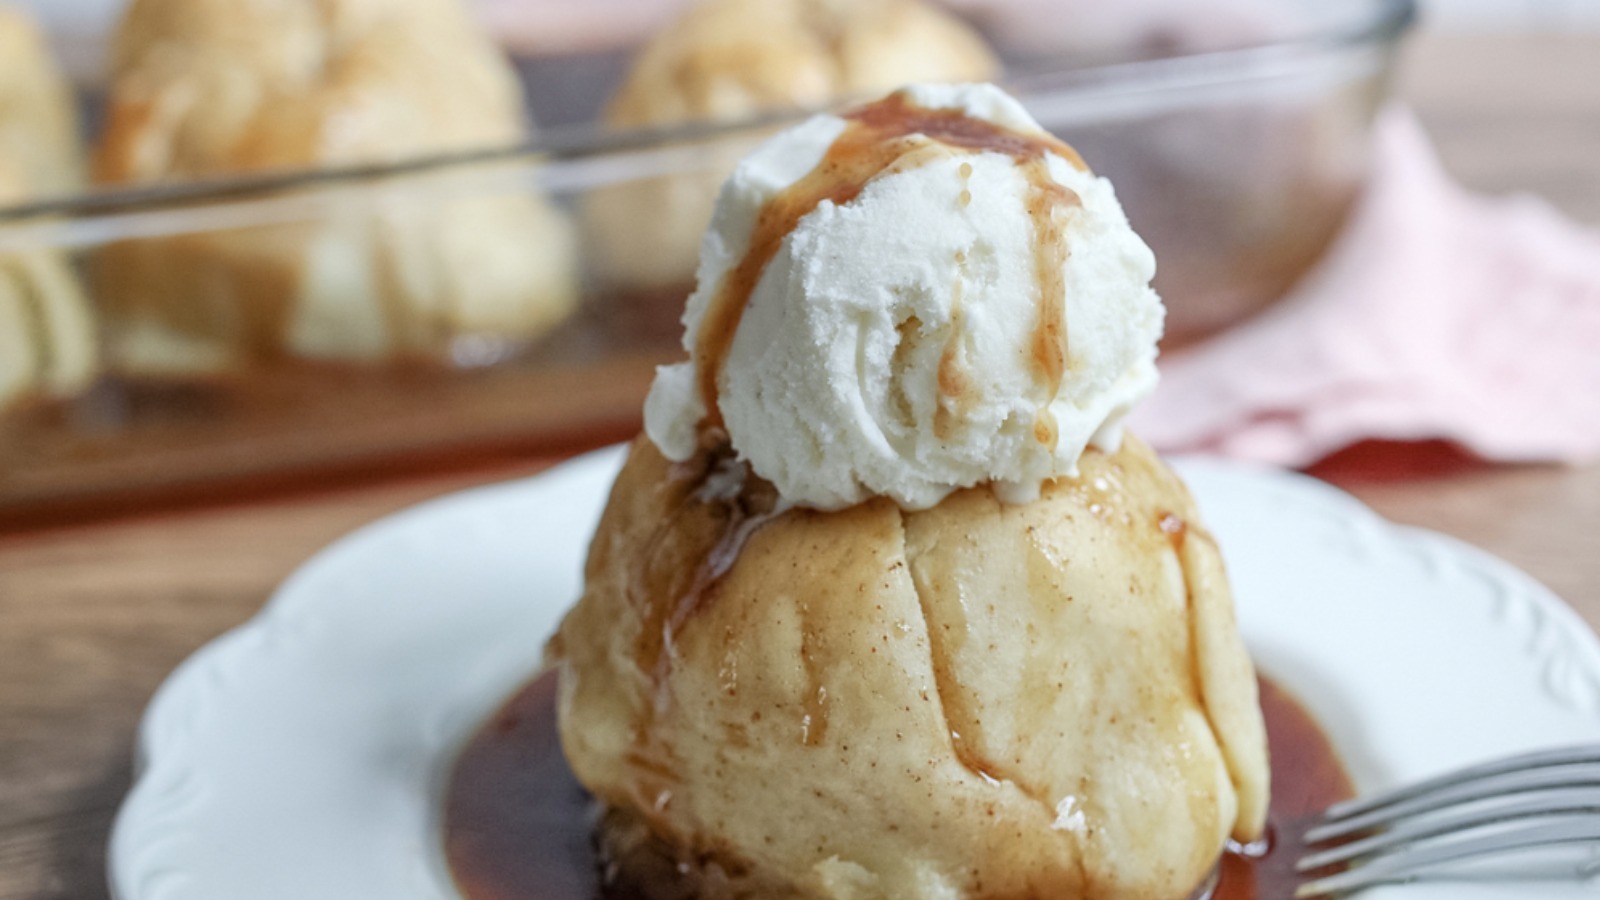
[[92, 617]]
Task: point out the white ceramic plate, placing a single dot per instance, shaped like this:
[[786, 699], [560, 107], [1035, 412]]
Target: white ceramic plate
[[303, 755]]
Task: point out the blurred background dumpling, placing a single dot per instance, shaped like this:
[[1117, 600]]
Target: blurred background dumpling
[[208, 88], [47, 336], [725, 60], [38, 123]]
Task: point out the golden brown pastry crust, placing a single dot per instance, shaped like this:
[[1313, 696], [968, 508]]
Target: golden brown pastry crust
[[203, 88], [730, 59], [976, 700], [208, 87]]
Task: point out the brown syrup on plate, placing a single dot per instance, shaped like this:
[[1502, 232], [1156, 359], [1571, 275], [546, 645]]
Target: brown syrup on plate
[[517, 824]]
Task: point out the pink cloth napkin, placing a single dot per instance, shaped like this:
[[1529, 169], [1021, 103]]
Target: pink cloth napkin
[[1437, 314]]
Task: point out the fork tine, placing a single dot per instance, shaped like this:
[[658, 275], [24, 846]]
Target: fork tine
[[1407, 864], [1543, 759], [1406, 833], [1453, 793]]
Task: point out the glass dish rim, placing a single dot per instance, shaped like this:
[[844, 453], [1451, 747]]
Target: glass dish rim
[[1390, 20]]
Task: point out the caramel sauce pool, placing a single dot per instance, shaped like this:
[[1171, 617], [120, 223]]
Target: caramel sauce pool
[[883, 137], [517, 824]]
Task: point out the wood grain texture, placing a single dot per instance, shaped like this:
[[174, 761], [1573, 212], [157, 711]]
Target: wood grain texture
[[92, 617]]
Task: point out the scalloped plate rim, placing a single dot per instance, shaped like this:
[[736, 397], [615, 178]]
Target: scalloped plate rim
[[178, 691]]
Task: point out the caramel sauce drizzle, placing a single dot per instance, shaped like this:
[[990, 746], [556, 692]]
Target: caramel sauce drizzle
[[953, 381], [1050, 252], [814, 721], [1174, 528], [721, 506], [878, 138]]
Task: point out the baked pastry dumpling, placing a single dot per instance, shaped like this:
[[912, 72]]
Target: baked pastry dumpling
[[974, 700], [47, 330], [885, 604], [47, 335], [726, 60], [208, 88]]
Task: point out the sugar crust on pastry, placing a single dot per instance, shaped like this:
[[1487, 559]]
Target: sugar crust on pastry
[[976, 700]]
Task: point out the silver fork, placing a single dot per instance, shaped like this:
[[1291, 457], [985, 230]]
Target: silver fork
[[1543, 799]]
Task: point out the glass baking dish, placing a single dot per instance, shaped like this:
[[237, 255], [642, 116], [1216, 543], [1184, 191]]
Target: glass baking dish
[[1236, 162]]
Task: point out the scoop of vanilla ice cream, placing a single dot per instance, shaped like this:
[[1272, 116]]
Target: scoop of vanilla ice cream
[[885, 349]]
